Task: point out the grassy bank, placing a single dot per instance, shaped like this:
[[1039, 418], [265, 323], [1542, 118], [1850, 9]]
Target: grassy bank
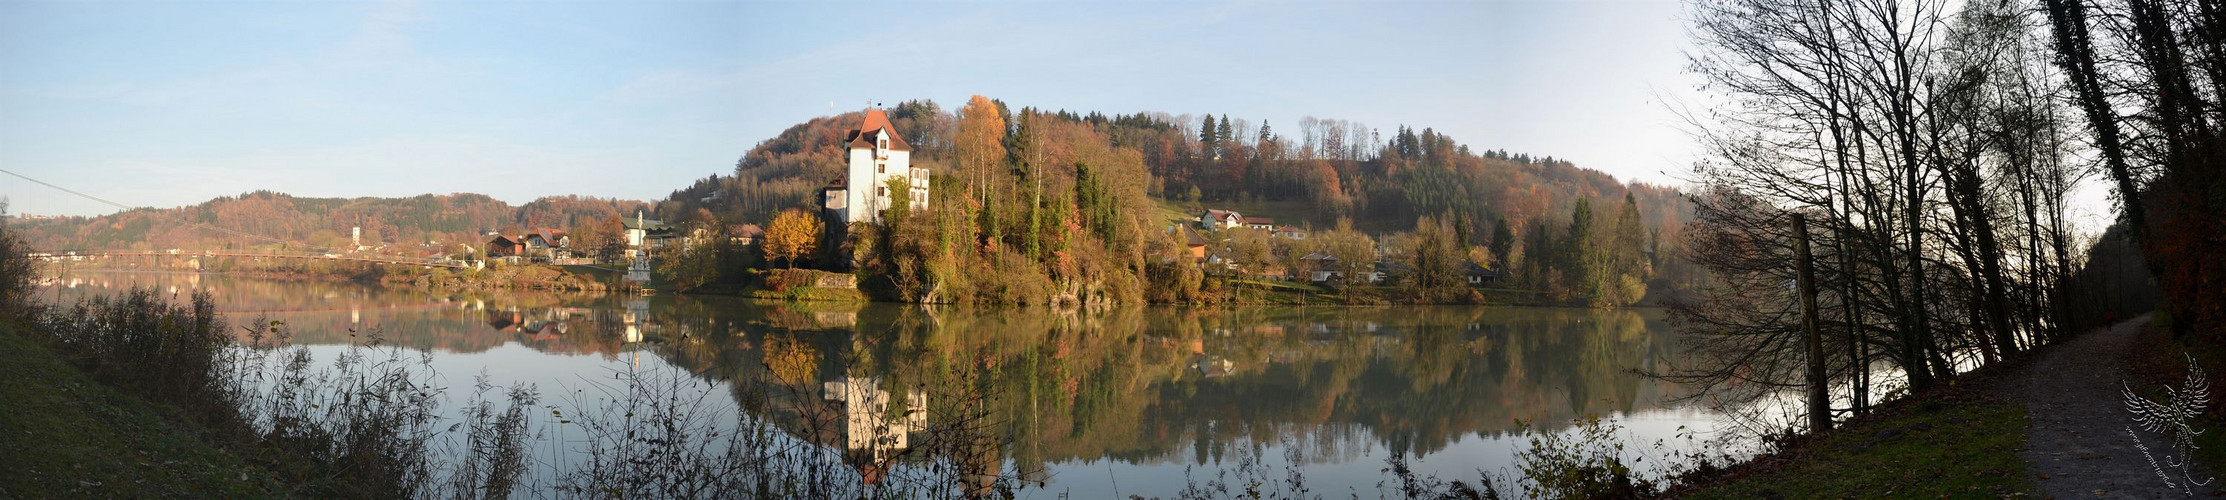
[[66, 435], [1955, 442]]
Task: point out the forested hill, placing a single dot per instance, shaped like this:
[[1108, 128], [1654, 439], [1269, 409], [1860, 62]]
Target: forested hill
[[1308, 173], [264, 218], [1092, 200]]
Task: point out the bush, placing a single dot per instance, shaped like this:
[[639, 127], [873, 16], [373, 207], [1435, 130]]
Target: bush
[[147, 347], [362, 428], [18, 273], [1584, 463]]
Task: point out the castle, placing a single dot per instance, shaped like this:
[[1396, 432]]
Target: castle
[[877, 155]]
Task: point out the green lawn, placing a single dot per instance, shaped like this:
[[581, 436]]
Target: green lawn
[[63, 435], [1958, 445]]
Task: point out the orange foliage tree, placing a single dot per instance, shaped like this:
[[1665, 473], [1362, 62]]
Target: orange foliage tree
[[793, 234]]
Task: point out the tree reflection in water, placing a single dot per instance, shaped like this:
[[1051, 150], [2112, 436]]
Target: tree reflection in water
[[1053, 389]]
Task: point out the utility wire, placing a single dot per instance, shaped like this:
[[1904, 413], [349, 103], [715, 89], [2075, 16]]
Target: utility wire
[[68, 190], [128, 207]]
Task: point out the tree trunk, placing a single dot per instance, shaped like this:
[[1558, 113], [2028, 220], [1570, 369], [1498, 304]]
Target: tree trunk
[[1820, 404]]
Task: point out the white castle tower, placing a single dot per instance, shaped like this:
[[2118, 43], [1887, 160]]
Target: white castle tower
[[877, 154]]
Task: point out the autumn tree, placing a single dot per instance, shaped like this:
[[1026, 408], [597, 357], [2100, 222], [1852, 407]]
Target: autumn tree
[[603, 239], [1436, 262], [793, 234], [1621, 270], [1355, 252], [980, 147]]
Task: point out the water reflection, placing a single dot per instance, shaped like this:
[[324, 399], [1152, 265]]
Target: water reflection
[[1144, 387]]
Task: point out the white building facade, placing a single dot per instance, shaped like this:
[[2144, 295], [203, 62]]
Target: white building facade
[[877, 155]]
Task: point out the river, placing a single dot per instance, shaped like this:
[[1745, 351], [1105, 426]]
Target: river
[[1087, 403]]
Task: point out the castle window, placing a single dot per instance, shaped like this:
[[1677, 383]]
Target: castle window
[[880, 168], [881, 191]]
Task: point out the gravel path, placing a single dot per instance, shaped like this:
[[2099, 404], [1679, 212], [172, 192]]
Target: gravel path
[[2078, 446]]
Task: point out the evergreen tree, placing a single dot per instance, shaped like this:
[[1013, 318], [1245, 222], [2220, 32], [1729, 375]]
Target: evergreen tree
[[1207, 130], [1577, 258], [1503, 237], [1207, 137]]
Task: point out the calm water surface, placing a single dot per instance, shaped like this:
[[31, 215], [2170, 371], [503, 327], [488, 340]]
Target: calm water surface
[[1123, 400]]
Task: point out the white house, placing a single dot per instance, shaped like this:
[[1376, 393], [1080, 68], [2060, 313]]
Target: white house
[[877, 155], [644, 234], [1220, 219]]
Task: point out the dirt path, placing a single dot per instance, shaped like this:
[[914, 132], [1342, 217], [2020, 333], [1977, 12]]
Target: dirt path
[[2078, 446]]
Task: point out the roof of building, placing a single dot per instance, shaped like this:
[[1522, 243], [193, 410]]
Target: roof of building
[[1289, 229], [748, 231], [645, 224], [1265, 221], [876, 120], [1220, 214], [1194, 239], [550, 236]]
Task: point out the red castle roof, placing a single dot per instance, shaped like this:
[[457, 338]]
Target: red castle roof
[[862, 137]]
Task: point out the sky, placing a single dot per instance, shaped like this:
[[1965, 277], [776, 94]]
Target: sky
[[164, 104]]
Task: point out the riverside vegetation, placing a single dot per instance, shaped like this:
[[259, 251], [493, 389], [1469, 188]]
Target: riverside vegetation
[[270, 419]]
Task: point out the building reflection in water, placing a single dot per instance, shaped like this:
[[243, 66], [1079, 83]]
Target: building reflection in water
[[1147, 387], [875, 432], [636, 318]]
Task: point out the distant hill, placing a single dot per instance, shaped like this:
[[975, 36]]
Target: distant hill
[[265, 218], [1307, 174]]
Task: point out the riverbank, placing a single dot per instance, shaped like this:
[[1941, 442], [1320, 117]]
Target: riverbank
[[520, 277], [66, 435], [2051, 423], [1958, 441], [494, 276]]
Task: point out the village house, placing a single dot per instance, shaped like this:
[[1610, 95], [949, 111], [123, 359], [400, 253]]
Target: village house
[[1220, 219], [1260, 223], [544, 243], [745, 234], [1324, 268], [1319, 267], [645, 234], [502, 245], [1478, 276], [877, 155], [1194, 244], [1290, 233]]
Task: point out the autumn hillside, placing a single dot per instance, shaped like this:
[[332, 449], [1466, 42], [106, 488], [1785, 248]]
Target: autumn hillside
[[264, 218], [1305, 175]]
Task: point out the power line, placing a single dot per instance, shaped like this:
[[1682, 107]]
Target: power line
[[127, 207], [68, 190]]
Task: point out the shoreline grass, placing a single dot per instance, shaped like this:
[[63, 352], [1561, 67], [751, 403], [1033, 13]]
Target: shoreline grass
[[1958, 441], [68, 435]]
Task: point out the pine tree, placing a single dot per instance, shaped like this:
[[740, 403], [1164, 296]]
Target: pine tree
[[1503, 237], [1207, 137], [1578, 251]]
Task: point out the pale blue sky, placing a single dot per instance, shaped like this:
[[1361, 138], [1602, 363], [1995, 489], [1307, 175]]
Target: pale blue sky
[[166, 104]]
